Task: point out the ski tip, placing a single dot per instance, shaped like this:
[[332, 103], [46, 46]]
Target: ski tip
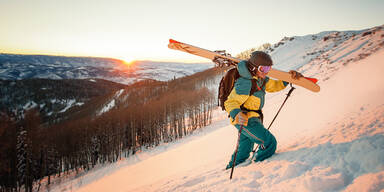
[[314, 80], [173, 41]]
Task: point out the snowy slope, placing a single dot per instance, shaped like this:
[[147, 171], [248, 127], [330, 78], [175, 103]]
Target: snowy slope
[[329, 141], [333, 147]]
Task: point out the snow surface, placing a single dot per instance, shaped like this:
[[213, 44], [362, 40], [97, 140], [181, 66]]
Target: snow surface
[[327, 141], [320, 58], [107, 107], [111, 104], [70, 103], [29, 105]]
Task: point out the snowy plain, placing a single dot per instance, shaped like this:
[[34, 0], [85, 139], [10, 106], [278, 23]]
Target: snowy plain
[[327, 141]]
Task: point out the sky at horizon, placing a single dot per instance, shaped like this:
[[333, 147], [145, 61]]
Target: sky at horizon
[[140, 29]]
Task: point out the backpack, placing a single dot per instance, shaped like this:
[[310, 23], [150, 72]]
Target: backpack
[[228, 82]]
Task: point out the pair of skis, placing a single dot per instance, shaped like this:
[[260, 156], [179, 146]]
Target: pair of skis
[[306, 82]]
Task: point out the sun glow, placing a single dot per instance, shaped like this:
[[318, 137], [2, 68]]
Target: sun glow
[[128, 63]]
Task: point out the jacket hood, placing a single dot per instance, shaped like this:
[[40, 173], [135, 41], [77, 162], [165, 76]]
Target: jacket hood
[[243, 70]]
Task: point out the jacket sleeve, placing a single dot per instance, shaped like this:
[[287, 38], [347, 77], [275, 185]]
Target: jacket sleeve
[[238, 96], [275, 85]]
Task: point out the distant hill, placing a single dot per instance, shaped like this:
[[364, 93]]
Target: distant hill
[[62, 87], [17, 67], [53, 98]]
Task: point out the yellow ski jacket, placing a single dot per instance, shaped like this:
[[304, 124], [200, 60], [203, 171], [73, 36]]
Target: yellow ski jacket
[[242, 88]]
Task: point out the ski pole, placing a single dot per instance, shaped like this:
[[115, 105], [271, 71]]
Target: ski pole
[[289, 94], [237, 148]]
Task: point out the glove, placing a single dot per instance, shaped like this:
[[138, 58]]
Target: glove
[[241, 119], [295, 75]]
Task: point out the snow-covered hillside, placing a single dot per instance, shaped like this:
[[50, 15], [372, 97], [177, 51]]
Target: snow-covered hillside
[[322, 54], [327, 141]]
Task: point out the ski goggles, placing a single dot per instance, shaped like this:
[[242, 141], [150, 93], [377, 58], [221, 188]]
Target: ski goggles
[[261, 68]]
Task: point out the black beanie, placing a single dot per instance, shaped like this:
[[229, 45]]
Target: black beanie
[[260, 58]]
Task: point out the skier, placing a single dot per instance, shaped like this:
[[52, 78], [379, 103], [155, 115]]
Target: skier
[[245, 110]]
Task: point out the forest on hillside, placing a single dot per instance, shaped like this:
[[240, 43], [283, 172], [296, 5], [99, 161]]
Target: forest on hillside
[[150, 114]]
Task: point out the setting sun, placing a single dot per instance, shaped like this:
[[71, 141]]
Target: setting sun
[[129, 62]]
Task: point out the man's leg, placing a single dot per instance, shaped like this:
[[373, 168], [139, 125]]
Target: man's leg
[[245, 147], [267, 150], [260, 135]]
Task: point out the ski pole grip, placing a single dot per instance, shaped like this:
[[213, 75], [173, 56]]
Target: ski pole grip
[[290, 91]]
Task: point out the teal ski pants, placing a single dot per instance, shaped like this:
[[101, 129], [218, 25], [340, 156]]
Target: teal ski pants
[[255, 132]]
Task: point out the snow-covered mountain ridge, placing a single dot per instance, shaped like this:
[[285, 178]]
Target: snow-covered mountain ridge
[[320, 55]]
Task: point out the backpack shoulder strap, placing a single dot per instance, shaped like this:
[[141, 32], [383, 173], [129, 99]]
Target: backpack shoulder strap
[[254, 87]]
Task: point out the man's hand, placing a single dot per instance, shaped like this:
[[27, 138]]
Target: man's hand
[[295, 75], [242, 119]]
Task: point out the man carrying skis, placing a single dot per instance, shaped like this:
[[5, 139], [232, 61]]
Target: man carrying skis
[[245, 109]]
